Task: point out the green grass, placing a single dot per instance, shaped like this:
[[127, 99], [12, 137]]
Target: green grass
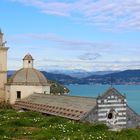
[[35, 126]]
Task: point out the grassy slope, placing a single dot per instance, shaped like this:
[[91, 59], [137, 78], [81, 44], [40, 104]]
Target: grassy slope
[[30, 125]]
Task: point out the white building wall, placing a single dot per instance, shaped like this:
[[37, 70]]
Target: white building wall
[[3, 60], [27, 63], [3, 71], [11, 91]]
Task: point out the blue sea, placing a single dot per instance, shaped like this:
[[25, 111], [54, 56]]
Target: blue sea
[[132, 93]]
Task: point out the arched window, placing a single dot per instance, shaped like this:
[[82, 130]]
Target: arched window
[[110, 115]]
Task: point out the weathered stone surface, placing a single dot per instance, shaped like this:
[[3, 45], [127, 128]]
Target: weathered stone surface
[[111, 108]]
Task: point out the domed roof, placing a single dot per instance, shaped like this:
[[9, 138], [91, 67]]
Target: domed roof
[[28, 57], [28, 76]]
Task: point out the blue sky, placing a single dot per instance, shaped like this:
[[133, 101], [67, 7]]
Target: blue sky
[[91, 35]]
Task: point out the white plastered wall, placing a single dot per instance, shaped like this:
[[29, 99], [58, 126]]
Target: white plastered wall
[[11, 91]]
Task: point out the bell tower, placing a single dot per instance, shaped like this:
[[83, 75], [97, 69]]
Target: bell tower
[[28, 61], [3, 66]]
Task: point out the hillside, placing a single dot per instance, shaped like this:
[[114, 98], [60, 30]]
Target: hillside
[[61, 78], [123, 77], [57, 88], [35, 126], [77, 73]]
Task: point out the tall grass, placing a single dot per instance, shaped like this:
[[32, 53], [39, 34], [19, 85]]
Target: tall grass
[[35, 126]]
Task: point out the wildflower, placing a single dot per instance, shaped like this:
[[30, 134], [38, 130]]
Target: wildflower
[[5, 137], [29, 132]]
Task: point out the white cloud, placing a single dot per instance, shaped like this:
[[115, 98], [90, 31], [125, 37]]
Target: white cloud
[[62, 53], [67, 44], [89, 56], [87, 65], [103, 13]]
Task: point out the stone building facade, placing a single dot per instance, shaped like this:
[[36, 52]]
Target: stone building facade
[[24, 82], [3, 66], [110, 108]]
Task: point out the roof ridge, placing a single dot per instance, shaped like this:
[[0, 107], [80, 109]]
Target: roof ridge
[[111, 89], [65, 96]]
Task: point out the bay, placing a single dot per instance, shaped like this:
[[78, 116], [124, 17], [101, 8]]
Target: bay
[[132, 93]]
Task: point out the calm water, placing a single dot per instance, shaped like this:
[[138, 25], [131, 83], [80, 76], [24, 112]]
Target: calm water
[[132, 92]]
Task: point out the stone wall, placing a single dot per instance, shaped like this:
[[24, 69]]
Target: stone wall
[[133, 119], [91, 116], [112, 111]]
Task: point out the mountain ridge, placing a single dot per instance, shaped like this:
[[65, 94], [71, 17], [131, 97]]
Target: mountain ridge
[[121, 77]]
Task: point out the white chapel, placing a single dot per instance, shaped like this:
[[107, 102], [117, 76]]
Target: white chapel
[[24, 82]]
